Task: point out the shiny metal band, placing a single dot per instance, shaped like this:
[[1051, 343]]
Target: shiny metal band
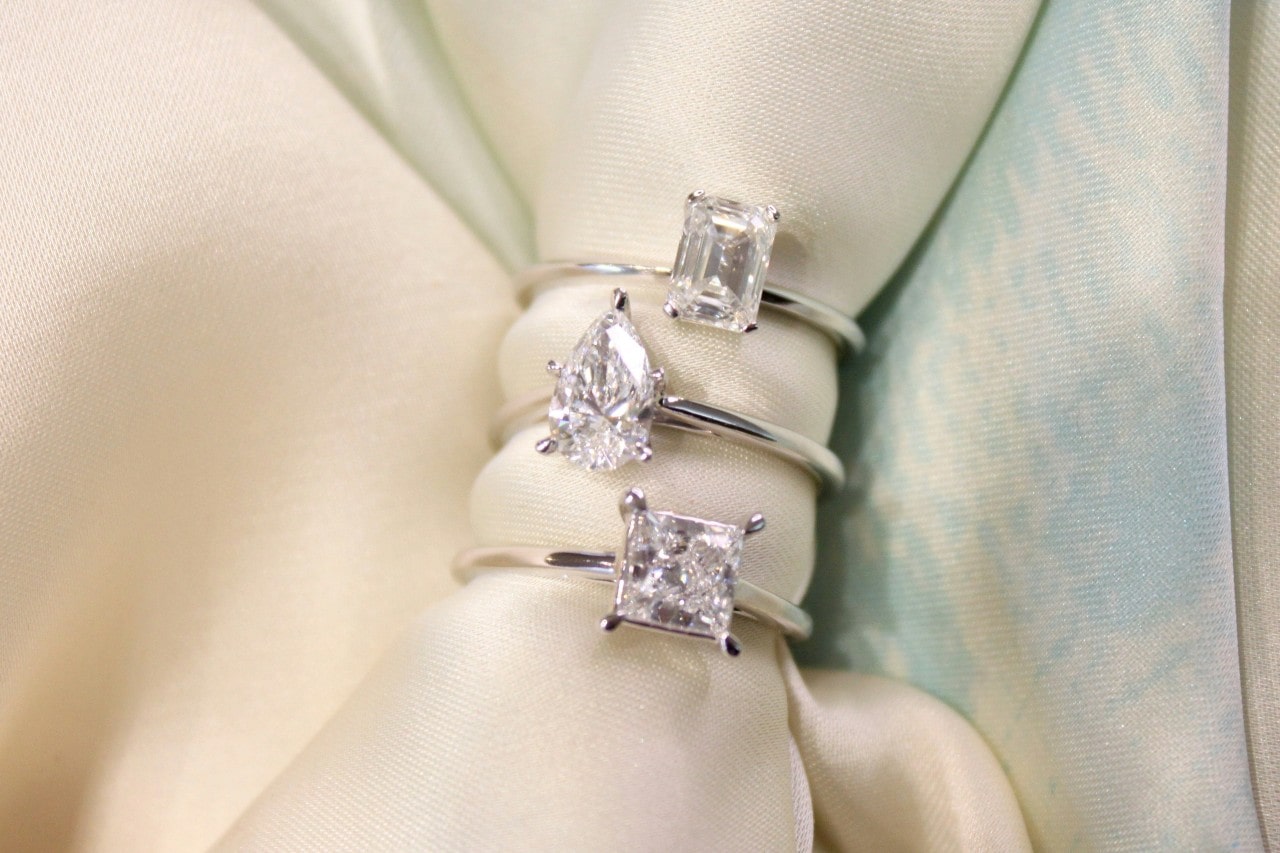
[[689, 416], [842, 330], [748, 599]]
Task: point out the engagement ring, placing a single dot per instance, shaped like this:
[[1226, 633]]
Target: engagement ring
[[608, 398], [718, 278], [674, 573]]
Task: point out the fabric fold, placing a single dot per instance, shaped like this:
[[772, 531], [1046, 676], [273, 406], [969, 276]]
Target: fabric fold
[[508, 694], [258, 364], [892, 768]]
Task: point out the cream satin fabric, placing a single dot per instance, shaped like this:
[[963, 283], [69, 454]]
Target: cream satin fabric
[[247, 352], [248, 356], [228, 441], [251, 325], [513, 674]]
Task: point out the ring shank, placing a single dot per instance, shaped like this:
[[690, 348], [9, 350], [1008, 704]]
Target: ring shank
[[841, 329], [748, 599], [689, 416]]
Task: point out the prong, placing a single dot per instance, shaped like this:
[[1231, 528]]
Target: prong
[[621, 302], [730, 646], [755, 523], [773, 213], [554, 367], [671, 310], [646, 453], [696, 194], [610, 622], [546, 446], [750, 327], [659, 377], [632, 501]]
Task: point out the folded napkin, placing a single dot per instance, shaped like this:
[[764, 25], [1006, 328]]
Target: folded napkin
[[256, 313]]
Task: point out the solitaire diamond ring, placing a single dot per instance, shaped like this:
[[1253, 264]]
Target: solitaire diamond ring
[[608, 398], [718, 278], [674, 573]]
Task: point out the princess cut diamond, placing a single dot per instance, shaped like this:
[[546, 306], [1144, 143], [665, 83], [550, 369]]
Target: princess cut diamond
[[678, 573], [719, 272]]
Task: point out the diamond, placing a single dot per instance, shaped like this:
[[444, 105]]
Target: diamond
[[720, 268], [678, 573], [602, 410]]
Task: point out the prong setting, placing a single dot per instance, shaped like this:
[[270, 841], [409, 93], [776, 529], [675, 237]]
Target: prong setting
[[730, 645], [721, 264], [633, 500], [675, 572], [697, 194], [546, 446], [754, 524], [610, 622], [671, 310], [610, 361], [621, 302]]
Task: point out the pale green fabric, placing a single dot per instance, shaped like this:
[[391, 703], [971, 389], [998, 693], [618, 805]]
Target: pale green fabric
[[1040, 531]]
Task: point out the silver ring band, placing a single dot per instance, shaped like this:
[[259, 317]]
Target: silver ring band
[[843, 331], [749, 600], [689, 416]]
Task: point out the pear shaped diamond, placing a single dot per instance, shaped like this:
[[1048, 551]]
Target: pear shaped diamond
[[602, 409]]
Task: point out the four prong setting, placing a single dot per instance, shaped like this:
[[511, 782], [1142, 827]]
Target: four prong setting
[[719, 272], [678, 573]]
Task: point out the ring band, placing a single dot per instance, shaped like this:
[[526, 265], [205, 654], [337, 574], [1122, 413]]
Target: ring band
[[688, 416], [844, 332], [718, 278], [607, 399], [675, 573]]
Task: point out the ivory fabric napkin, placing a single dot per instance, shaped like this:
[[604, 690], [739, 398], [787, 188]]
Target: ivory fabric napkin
[[513, 672], [255, 313]]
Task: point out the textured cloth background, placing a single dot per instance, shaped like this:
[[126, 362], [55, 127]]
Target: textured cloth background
[[1042, 533], [252, 309], [1253, 382]]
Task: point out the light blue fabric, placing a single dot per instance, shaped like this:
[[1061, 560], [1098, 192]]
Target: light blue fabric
[[1038, 529]]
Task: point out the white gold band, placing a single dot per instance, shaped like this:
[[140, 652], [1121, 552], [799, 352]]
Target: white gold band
[[843, 331], [689, 416], [749, 600]]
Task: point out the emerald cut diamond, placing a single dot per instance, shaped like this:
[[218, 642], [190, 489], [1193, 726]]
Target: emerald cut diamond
[[718, 276], [602, 409]]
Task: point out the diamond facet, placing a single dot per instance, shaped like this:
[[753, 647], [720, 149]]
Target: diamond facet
[[602, 410], [720, 268], [679, 573]]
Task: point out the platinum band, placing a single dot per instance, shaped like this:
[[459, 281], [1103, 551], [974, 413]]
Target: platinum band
[[749, 600], [843, 331], [689, 416]]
